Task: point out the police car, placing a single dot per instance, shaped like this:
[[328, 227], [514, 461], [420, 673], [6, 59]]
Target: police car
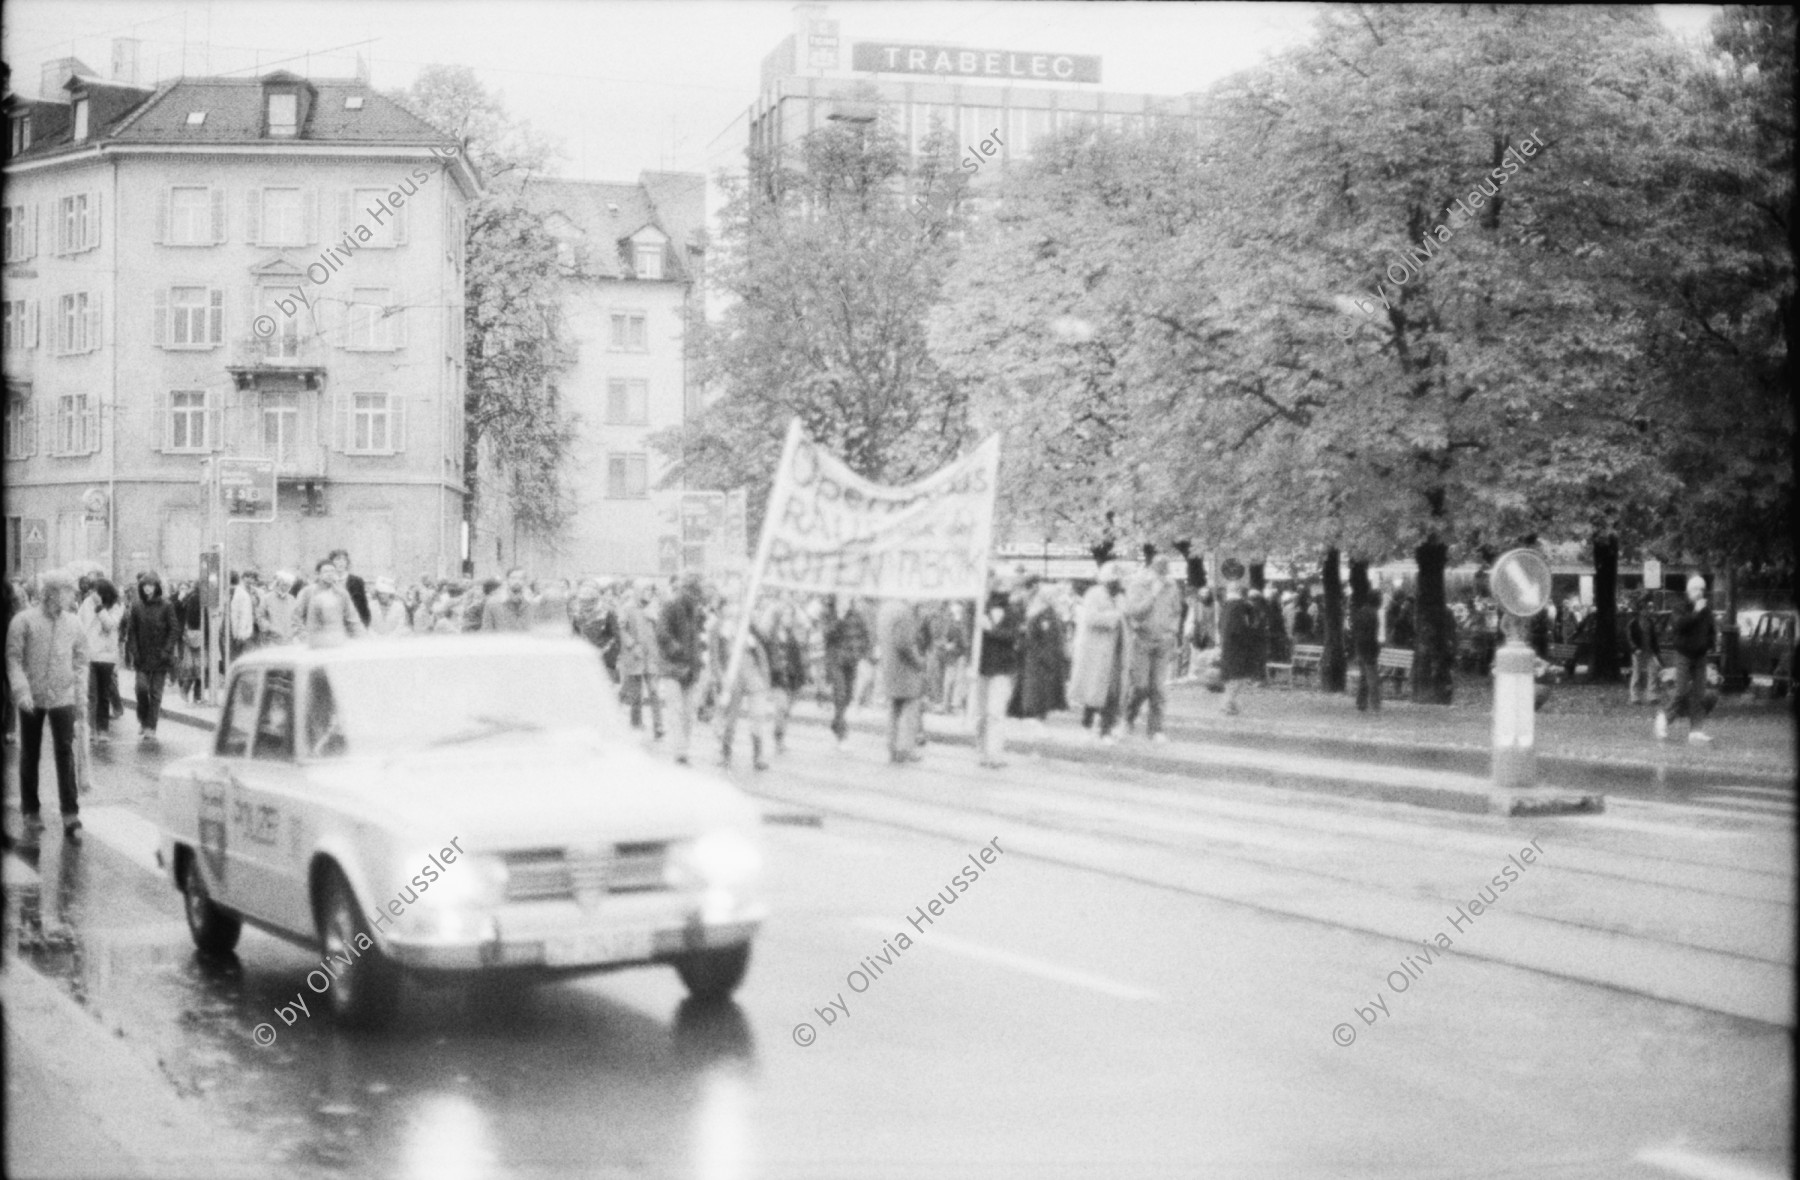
[[455, 805]]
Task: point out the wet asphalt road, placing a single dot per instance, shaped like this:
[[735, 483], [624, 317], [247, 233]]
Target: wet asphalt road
[[1059, 1020]]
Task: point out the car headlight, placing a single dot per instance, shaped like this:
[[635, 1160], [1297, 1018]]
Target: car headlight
[[721, 858], [469, 882]]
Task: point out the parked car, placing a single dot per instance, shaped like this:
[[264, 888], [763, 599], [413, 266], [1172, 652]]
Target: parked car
[[1767, 650], [459, 807]]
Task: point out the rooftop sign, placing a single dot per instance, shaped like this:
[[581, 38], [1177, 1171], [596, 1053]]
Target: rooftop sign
[[949, 61]]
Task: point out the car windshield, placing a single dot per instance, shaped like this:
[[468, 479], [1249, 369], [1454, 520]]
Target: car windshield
[[422, 698]]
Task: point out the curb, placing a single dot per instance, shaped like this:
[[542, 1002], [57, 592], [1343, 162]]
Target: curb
[[99, 1108]]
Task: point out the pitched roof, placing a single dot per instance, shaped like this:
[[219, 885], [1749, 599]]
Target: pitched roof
[[606, 213], [234, 114]]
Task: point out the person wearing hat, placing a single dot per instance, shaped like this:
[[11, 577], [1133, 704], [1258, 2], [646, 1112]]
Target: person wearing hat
[[1646, 652], [47, 673], [1094, 684], [1692, 635], [387, 614]]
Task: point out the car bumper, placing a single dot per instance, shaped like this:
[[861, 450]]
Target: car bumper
[[564, 936]]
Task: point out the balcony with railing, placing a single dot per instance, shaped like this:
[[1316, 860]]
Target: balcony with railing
[[287, 427], [280, 359]]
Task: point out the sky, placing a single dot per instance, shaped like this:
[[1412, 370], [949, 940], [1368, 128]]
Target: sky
[[629, 85]]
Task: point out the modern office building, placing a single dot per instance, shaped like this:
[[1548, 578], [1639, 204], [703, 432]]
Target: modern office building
[[259, 267], [1019, 95]]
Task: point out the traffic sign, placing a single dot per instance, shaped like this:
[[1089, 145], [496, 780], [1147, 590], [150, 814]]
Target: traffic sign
[[1521, 581], [36, 545], [247, 489]]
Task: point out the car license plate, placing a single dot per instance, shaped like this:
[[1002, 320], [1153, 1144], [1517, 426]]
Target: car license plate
[[598, 946]]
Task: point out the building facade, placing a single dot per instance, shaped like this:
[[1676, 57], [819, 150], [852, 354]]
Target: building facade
[[266, 268], [633, 258], [1017, 97]]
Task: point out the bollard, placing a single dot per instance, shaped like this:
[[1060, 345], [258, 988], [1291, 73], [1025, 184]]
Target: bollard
[[1515, 716]]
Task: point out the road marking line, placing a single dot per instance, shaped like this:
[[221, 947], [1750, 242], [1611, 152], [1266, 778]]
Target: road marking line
[[1758, 805], [1775, 791], [1029, 966], [1683, 1162]]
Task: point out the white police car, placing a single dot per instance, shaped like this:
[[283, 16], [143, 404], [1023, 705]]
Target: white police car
[[455, 804]]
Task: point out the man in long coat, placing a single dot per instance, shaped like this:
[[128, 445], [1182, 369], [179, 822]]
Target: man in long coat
[[1240, 649], [1094, 684], [904, 639]]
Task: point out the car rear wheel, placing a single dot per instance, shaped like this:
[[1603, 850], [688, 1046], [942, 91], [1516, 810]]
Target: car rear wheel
[[365, 984], [215, 931], [714, 975]]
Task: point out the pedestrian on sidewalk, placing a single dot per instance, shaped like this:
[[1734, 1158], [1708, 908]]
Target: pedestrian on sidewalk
[[905, 639], [1365, 654], [102, 618], [1646, 654], [1153, 614], [1240, 649], [680, 639], [1002, 621], [787, 668], [331, 616], [156, 639], [47, 671], [640, 660], [1692, 636], [846, 647], [1099, 638]]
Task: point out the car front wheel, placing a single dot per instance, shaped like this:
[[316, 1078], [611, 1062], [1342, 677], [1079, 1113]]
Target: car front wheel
[[215, 930], [365, 984], [714, 975]]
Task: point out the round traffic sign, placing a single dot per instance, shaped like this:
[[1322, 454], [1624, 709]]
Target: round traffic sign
[[1521, 581]]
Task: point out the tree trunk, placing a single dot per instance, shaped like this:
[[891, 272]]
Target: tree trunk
[[1256, 576], [1359, 583], [1435, 645], [1331, 665], [1605, 661]]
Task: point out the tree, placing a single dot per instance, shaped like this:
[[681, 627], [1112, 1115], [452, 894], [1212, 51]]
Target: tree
[[830, 256], [519, 437]]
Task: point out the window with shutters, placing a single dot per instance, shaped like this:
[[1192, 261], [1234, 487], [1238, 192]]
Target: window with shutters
[[281, 428], [283, 217], [369, 206], [21, 424], [72, 224], [628, 332], [15, 325], [190, 216], [187, 421], [371, 424], [76, 330], [627, 402], [18, 242], [284, 342], [77, 427], [627, 476], [369, 324], [195, 317]]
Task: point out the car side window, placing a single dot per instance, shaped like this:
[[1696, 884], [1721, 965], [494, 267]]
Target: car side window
[[275, 723], [323, 737], [240, 714]]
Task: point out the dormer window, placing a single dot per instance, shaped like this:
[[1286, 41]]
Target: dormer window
[[81, 119], [648, 259], [21, 134], [284, 114]]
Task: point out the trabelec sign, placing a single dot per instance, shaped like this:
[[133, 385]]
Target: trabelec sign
[[948, 60]]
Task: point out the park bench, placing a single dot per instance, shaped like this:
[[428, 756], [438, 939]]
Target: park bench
[[1563, 656], [1305, 662], [1395, 663]]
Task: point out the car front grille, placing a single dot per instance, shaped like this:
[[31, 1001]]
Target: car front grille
[[556, 873]]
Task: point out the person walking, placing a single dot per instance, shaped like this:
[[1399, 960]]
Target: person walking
[[1365, 654], [192, 659], [748, 697], [275, 613], [1692, 636], [787, 668], [904, 639], [1240, 648], [155, 641], [640, 659], [846, 647], [1094, 685], [47, 671], [331, 616], [387, 614], [103, 618], [351, 585], [1153, 614], [240, 614], [680, 640], [1002, 627], [596, 621], [1646, 653], [509, 609]]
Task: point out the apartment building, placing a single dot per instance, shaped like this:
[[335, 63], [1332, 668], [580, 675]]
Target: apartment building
[[633, 257], [262, 267]]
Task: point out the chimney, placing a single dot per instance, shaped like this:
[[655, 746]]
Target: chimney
[[56, 74], [125, 60], [362, 68]]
